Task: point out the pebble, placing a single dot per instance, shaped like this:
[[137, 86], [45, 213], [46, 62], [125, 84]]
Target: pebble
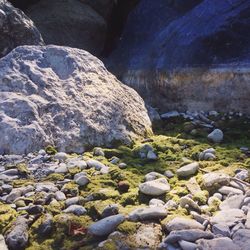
[[98, 152], [216, 136], [60, 196], [155, 187], [188, 203], [106, 226], [61, 156], [71, 201], [156, 203], [221, 229], [186, 245], [181, 223], [213, 179], [169, 174], [229, 190], [82, 180], [228, 217], [151, 155], [114, 160], [110, 210], [122, 165], [75, 209], [188, 170], [222, 243], [153, 176], [241, 238], [188, 235], [95, 164], [208, 154], [234, 201], [18, 236], [148, 213]]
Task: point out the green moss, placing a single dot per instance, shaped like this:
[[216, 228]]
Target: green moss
[[129, 198], [128, 227], [108, 245], [7, 215], [201, 197], [71, 188], [50, 150], [55, 177], [23, 169], [214, 206], [95, 208], [68, 232], [74, 170], [22, 183], [179, 212]]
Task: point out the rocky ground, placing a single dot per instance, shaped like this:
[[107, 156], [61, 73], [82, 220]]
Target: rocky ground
[[186, 187]]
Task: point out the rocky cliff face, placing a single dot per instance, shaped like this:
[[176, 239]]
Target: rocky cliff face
[[16, 29], [163, 39]]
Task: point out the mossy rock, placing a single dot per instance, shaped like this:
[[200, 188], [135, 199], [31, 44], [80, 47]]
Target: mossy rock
[[128, 227], [50, 150], [7, 216], [55, 177], [201, 197]]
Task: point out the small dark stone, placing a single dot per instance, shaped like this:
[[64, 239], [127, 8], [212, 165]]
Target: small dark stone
[[35, 209], [123, 186]]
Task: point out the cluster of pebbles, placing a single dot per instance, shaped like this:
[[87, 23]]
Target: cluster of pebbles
[[215, 214]]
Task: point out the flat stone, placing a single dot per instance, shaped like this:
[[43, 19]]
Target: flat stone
[[217, 243], [188, 235], [242, 238], [188, 170], [229, 190], [72, 201], [193, 186], [46, 187], [221, 229], [234, 201], [72, 163], [181, 223], [95, 164], [156, 203], [62, 169], [228, 217], [106, 226], [148, 236], [148, 213], [75, 209], [215, 179], [155, 187], [186, 245]]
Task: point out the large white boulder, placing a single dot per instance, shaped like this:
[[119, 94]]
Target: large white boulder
[[64, 97]]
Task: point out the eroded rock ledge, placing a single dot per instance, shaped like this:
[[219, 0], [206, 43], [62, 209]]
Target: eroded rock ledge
[[223, 88]]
